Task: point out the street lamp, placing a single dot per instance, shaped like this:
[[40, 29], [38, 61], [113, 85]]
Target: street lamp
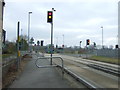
[[102, 36], [29, 29], [80, 43], [53, 9], [21, 32], [56, 41], [63, 40]]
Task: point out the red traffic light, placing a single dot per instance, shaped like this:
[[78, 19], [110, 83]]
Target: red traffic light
[[88, 42], [49, 16], [50, 13]]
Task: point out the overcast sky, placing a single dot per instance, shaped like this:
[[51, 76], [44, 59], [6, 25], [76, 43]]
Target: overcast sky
[[77, 20]]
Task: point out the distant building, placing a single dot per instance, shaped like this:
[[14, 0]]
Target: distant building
[[119, 24]]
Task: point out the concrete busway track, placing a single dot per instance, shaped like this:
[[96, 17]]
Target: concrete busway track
[[106, 67], [87, 61], [95, 77]]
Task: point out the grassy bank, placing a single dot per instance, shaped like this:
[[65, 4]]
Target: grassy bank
[[12, 74], [105, 59], [6, 55]]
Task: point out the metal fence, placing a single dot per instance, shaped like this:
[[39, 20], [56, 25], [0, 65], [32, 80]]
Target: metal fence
[[107, 53]]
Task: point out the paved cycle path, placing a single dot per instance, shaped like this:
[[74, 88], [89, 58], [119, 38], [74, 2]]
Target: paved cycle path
[[33, 77]]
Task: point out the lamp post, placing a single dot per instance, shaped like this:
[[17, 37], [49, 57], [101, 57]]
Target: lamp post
[[102, 36], [80, 44], [29, 30], [63, 40], [56, 42], [21, 32], [80, 47]]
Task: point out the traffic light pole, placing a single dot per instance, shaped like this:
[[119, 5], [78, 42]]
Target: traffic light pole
[[51, 42], [18, 51], [50, 20]]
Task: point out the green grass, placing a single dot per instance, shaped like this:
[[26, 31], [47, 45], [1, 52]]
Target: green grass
[[105, 59], [6, 55]]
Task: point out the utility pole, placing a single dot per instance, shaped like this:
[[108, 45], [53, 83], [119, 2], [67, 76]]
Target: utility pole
[[102, 36], [80, 44]]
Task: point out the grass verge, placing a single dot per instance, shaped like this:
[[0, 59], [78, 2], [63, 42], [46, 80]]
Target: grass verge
[[6, 55], [12, 74], [105, 59]]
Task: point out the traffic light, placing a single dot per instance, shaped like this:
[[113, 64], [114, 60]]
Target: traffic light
[[38, 42], [56, 46], [94, 44], [116, 46], [63, 46], [49, 16], [88, 42], [42, 43]]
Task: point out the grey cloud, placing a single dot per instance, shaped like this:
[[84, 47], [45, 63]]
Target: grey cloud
[[68, 16]]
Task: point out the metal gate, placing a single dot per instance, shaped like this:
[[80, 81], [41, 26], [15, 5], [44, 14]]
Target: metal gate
[[47, 66]]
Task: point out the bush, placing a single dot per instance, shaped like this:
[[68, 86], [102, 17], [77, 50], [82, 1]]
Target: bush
[[10, 47]]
